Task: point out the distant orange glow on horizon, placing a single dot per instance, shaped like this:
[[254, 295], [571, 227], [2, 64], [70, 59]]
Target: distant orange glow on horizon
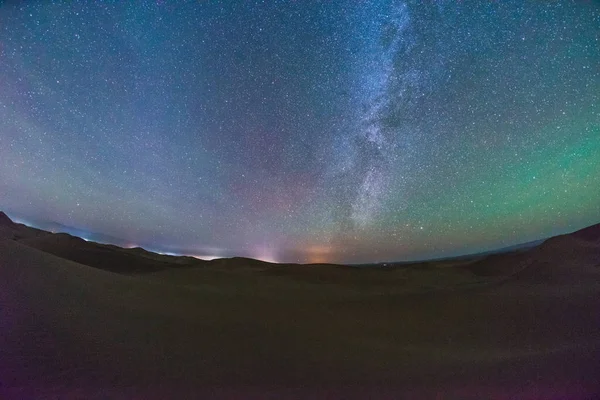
[[319, 254]]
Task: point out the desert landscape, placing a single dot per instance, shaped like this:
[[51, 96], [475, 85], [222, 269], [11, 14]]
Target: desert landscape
[[82, 320], [383, 199]]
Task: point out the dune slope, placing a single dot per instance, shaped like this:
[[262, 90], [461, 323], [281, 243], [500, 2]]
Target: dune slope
[[71, 331]]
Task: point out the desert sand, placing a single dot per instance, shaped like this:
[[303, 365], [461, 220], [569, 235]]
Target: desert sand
[[81, 320]]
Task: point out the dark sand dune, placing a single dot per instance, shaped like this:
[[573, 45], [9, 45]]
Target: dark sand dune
[[5, 220], [11, 230], [107, 257], [246, 329], [590, 234]]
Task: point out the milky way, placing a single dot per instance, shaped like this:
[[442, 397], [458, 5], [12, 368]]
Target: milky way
[[302, 131]]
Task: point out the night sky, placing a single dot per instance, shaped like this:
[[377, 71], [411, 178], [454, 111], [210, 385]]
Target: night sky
[[303, 131]]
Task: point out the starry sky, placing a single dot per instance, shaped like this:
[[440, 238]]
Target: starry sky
[[302, 131]]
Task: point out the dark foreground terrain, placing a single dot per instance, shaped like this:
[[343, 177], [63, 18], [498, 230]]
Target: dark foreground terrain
[[80, 320]]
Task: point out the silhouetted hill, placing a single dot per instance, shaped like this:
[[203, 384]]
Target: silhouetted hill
[[5, 220], [591, 233], [107, 257], [581, 247]]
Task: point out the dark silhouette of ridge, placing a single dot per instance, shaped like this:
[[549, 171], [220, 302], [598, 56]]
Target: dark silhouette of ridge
[[5, 220], [139, 260], [107, 257], [590, 234]]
